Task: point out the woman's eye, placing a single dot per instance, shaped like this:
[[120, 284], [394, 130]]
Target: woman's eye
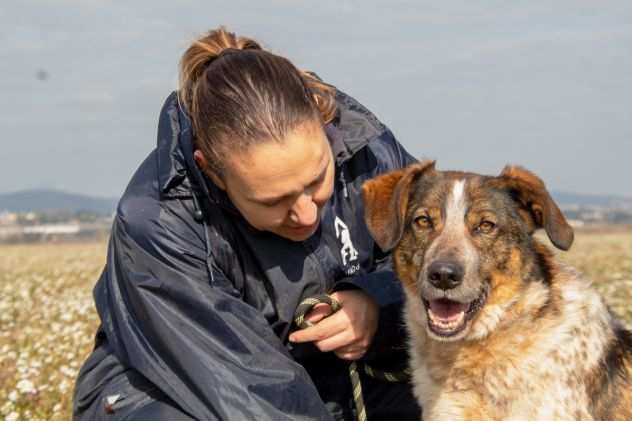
[[423, 221], [486, 227], [272, 204]]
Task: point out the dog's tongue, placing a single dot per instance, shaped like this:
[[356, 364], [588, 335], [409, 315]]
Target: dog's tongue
[[447, 310]]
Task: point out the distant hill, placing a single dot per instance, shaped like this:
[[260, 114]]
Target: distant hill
[[47, 200], [604, 201], [52, 200]]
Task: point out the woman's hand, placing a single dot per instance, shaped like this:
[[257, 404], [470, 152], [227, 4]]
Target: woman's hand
[[348, 332]]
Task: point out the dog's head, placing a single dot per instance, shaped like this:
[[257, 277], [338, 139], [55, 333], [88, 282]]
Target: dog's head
[[462, 242]]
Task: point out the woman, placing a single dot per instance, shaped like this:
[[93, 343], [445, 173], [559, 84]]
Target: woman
[[249, 204]]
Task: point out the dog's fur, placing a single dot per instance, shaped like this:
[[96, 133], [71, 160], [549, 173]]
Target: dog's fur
[[514, 335]]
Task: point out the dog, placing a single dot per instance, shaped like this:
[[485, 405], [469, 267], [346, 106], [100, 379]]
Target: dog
[[498, 329]]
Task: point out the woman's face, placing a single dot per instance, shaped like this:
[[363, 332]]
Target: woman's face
[[281, 187]]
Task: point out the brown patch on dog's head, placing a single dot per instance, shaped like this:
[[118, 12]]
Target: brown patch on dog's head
[[506, 283], [537, 208]]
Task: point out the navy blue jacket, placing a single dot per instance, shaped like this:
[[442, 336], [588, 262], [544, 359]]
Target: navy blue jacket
[[201, 307]]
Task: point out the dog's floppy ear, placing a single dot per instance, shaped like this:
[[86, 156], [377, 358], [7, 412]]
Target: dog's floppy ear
[[386, 201], [537, 207]]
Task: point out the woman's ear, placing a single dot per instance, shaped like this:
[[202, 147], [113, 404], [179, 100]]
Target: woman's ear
[[202, 164]]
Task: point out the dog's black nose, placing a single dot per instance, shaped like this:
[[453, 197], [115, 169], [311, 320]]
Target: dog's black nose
[[445, 275]]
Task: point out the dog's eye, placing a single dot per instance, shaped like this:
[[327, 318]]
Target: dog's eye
[[486, 227], [423, 221]]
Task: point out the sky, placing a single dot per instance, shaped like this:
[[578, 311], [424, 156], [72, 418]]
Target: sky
[[472, 84]]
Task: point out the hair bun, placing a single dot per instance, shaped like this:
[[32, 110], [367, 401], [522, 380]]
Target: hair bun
[[204, 51]]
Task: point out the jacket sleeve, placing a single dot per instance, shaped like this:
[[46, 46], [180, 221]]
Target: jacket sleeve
[[191, 336]]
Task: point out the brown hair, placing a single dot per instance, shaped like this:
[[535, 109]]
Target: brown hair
[[238, 94]]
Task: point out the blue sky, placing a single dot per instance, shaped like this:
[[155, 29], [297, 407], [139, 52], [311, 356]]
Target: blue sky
[[472, 84]]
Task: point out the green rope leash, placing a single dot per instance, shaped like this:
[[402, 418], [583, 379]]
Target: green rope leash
[[299, 319]]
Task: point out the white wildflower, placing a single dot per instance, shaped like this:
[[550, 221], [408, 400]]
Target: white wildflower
[[67, 371], [13, 396], [63, 386], [13, 416], [25, 386]]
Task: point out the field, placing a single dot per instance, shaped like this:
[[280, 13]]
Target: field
[[47, 317]]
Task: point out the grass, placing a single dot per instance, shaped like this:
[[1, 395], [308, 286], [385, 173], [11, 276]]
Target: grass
[[606, 259], [48, 320], [47, 325]]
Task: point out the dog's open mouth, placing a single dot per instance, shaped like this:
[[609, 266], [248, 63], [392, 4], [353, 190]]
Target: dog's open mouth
[[447, 318]]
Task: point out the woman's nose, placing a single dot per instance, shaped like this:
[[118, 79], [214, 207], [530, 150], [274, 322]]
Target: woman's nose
[[304, 212]]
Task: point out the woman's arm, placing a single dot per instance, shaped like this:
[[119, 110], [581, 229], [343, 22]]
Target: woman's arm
[[196, 340]]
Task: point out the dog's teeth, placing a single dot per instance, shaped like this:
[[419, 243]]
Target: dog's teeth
[[446, 324]]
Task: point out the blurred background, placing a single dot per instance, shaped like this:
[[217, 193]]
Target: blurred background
[[472, 84]]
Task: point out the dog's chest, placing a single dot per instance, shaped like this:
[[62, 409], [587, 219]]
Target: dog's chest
[[514, 396]]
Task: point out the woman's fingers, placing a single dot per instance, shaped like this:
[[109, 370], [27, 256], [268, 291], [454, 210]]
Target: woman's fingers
[[326, 328], [342, 340], [319, 312], [348, 332]]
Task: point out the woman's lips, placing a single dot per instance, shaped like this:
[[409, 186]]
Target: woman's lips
[[304, 229]]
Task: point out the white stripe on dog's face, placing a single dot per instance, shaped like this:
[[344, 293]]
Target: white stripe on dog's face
[[454, 237], [456, 207]]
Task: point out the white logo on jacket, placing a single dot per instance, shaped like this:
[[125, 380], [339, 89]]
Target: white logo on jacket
[[347, 252]]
